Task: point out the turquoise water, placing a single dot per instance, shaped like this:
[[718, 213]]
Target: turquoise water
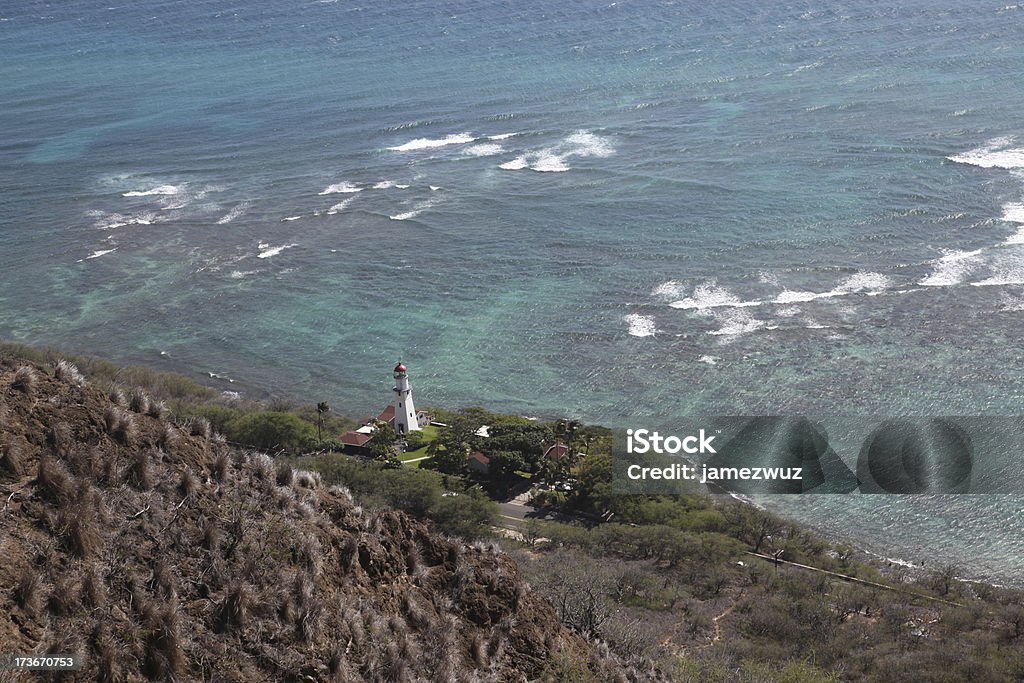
[[608, 210]]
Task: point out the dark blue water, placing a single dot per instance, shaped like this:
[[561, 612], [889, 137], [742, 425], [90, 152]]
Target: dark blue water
[[638, 209]]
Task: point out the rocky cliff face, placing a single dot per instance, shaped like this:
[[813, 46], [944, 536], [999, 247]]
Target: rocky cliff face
[[157, 552]]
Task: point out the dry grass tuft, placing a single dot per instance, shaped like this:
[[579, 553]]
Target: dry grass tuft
[[200, 427], [212, 536], [53, 480], [117, 397], [94, 591], [163, 581], [307, 480], [107, 654], [78, 529], [26, 380], [262, 466], [234, 610], [221, 467], [140, 472], [126, 431], [285, 475], [61, 440], [157, 409], [28, 594], [12, 458], [189, 484], [67, 371], [64, 600], [164, 655], [138, 401]]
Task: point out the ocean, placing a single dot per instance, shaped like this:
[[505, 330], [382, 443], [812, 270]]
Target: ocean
[[616, 211]]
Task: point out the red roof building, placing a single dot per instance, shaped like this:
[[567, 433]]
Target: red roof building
[[478, 462], [556, 451]]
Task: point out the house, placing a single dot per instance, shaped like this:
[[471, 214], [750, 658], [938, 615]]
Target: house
[[556, 451], [354, 442], [478, 462]]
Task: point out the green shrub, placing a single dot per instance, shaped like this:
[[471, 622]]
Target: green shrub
[[270, 431]]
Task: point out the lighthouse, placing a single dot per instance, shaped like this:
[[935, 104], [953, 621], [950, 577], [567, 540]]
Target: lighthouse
[[405, 411]]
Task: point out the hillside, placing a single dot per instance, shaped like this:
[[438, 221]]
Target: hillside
[[158, 552]]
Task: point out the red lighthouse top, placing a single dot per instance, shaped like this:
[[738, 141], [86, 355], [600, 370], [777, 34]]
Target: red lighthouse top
[[400, 367]]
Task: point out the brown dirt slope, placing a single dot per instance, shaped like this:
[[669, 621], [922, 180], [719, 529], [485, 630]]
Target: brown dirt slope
[[159, 553]]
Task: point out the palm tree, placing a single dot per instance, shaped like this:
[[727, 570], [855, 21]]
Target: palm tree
[[321, 408]]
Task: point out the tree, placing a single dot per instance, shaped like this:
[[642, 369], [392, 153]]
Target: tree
[[452, 446], [382, 444], [505, 464], [321, 408], [270, 431], [469, 515]]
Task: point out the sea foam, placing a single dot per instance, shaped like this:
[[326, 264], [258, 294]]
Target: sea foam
[[97, 254], [342, 187], [484, 150], [414, 211], [952, 268], [640, 325], [867, 283], [272, 251], [159, 190], [340, 206], [996, 153], [710, 295], [516, 164], [233, 214], [431, 143]]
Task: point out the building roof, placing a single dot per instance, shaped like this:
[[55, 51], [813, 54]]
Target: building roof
[[388, 414], [480, 458], [355, 438], [556, 451]]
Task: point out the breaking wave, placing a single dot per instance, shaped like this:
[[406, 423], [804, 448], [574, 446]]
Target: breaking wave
[[431, 143]]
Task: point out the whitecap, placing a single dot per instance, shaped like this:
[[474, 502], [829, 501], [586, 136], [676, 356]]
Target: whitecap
[[342, 187], [484, 150], [516, 164], [233, 214], [97, 254], [547, 162], [640, 325], [414, 211], [586, 144], [709, 360], [159, 190], [435, 188], [952, 268], [273, 251], [501, 136], [431, 143], [340, 206], [384, 185], [710, 295], [993, 154], [239, 274], [290, 218], [1013, 212], [736, 322], [868, 283], [668, 290]]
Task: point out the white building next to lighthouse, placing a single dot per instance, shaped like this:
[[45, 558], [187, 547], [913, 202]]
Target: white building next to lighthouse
[[406, 419]]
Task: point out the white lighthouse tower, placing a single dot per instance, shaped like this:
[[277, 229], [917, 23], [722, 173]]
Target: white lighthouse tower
[[405, 411]]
